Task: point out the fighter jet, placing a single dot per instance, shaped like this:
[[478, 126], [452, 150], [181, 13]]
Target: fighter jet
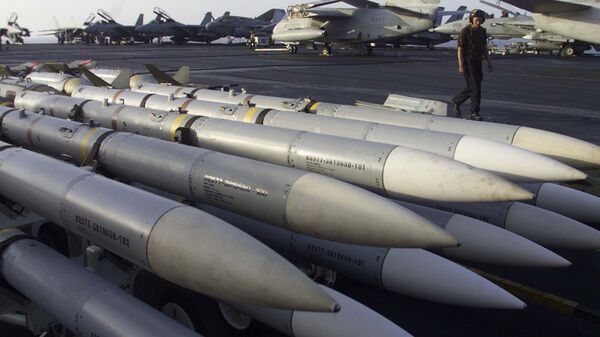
[[69, 34], [13, 31], [110, 28], [239, 26], [163, 25], [431, 38], [578, 20], [366, 24]]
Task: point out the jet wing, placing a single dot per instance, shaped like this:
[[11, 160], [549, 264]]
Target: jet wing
[[362, 3], [409, 12], [326, 13], [520, 21], [548, 6]]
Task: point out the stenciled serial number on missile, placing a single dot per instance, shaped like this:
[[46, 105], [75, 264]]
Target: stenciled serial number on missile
[[465, 213], [336, 162], [89, 225], [335, 255], [234, 185]]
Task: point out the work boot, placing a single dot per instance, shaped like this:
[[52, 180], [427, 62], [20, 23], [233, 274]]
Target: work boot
[[474, 117], [456, 109]]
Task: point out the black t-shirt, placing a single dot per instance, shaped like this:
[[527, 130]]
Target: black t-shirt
[[473, 42]]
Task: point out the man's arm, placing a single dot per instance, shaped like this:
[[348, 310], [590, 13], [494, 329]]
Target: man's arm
[[461, 67], [486, 53]]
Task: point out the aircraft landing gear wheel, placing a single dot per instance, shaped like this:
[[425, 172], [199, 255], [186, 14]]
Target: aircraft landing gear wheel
[[568, 51], [429, 45], [292, 49], [325, 50]]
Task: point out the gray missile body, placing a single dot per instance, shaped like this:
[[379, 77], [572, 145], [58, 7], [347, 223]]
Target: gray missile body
[[179, 243], [411, 272], [508, 161], [300, 201], [569, 150], [486, 243], [11, 87], [83, 302], [389, 170], [354, 320], [567, 201], [61, 82], [547, 228]]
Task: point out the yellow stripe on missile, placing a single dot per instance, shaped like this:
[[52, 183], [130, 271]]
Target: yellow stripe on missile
[[177, 124], [548, 300], [84, 142], [249, 116], [314, 107]]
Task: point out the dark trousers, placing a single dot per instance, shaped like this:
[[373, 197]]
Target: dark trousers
[[473, 77]]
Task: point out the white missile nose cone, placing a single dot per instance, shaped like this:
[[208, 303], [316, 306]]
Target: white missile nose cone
[[569, 202], [551, 229], [513, 163], [329, 209], [421, 274], [412, 173], [354, 320], [485, 243], [229, 264], [569, 150]]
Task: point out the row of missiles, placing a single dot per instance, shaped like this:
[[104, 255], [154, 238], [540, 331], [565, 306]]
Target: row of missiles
[[333, 185]]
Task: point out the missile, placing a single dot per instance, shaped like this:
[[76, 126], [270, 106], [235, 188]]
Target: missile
[[516, 164], [230, 97], [407, 271], [567, 201], [302, 202], [485, 243], [569, 150], [353, 321], [547, 228], [176, 242], [299, 35], [393, 171], [11, 87], [481, 242], [61, 82], [81, 300]]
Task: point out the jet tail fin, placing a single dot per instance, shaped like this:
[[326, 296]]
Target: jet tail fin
[[96, 81], [207, 18], [272, 15], [457, 16], [122, 81], [56, 24], [140, 20], [161, 77], [438, 18]]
